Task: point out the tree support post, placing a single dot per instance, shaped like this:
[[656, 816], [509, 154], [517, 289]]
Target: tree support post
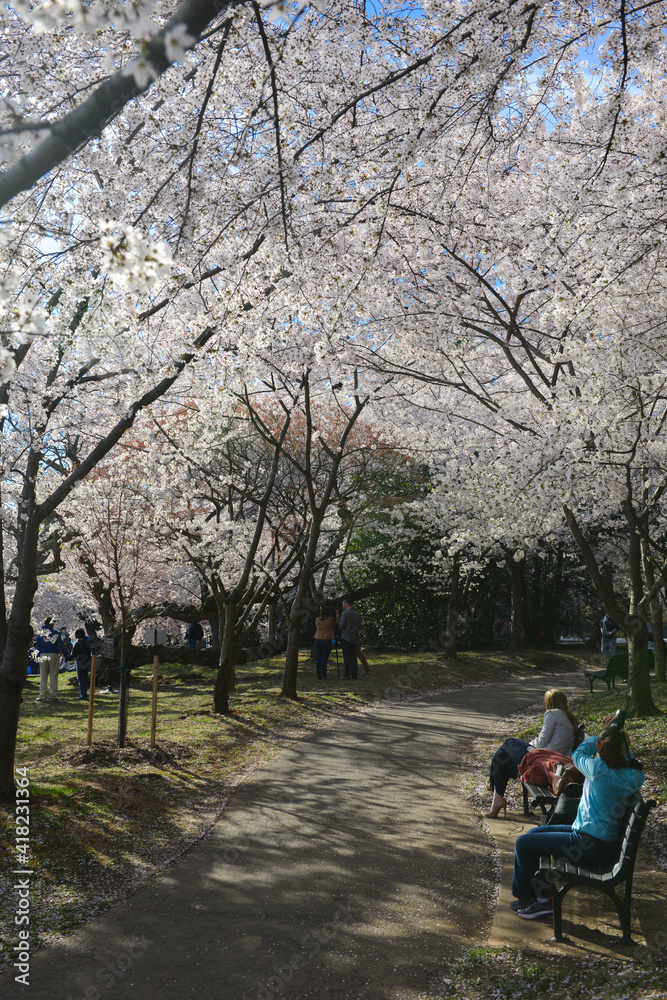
[[91, 698]]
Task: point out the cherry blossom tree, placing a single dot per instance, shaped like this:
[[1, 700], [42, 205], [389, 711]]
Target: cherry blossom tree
[[189, 188]]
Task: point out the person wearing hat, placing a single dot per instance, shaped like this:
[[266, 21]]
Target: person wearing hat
[[50, 648], [612, 776]]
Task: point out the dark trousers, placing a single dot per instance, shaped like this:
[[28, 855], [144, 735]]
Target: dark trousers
[[83, 675], [322, 650], [505, 763], [349, 658]]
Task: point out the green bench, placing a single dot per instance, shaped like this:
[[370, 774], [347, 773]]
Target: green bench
[[616, 667]]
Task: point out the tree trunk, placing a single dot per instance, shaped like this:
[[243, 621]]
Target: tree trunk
[[593, 641], [516, 576], [293, 637], [214, 622], [658, 640], [272, 621], [226, 665], [298, 612], [640, 699], [10, 705], [452, 612], [655, 606], [15, 659]]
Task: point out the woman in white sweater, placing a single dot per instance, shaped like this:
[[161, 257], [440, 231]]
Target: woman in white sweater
[[558, 733]]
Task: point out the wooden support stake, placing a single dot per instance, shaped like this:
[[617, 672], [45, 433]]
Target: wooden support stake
[[156, 660], [91, 698]]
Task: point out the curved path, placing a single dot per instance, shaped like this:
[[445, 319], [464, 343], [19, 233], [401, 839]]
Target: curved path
[[348, 867]]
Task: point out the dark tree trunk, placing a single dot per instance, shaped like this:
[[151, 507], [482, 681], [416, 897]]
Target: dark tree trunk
[[516, 577], [658, 640], [300, 610], [655, 607], [640, 699], [226, 666], [272, 621], [451, 630], [15, 658], [595, 636], [214, 622]]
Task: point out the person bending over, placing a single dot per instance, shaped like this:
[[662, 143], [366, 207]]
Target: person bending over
[[558, 732]]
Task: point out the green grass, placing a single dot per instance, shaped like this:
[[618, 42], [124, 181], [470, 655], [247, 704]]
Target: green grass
[[509, 975]]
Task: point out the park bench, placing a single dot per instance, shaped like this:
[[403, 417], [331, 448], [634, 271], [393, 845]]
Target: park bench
[[616, 667], [538, 796], [603, 877]]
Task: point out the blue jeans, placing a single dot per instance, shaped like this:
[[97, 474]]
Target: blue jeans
[[608, 646], [559, 842], [83, 675], [322, 650]]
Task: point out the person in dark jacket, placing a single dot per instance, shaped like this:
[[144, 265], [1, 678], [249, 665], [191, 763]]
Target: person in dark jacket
[[195, 635], [83, 658], [50, 648], [350, 633]]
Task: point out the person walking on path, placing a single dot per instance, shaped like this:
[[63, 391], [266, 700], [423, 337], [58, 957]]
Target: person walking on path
[[325, 633], [609, 630], [350, 633], [50, 648]]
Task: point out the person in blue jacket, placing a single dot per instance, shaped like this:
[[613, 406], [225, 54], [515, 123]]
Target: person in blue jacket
[[612, 776], [50, 648]]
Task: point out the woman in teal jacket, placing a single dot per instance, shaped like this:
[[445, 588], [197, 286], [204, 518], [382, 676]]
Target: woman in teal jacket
[[612, 777]]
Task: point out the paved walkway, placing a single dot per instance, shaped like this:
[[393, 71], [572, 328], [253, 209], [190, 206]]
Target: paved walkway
[[347, 868]]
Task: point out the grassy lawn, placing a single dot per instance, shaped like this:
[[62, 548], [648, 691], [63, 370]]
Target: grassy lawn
[[506, 974]]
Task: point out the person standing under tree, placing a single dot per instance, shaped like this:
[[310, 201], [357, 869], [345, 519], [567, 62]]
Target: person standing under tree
[[325, 632], [50, 648], [83, 658], [609, 629], [350, 637], [195, 635]]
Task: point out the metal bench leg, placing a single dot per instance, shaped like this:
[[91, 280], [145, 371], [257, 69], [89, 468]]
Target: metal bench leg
[[558, 914], [526, 805]]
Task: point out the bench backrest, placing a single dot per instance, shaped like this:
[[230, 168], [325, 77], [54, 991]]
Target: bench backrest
[[618, 663], [634, 822]]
